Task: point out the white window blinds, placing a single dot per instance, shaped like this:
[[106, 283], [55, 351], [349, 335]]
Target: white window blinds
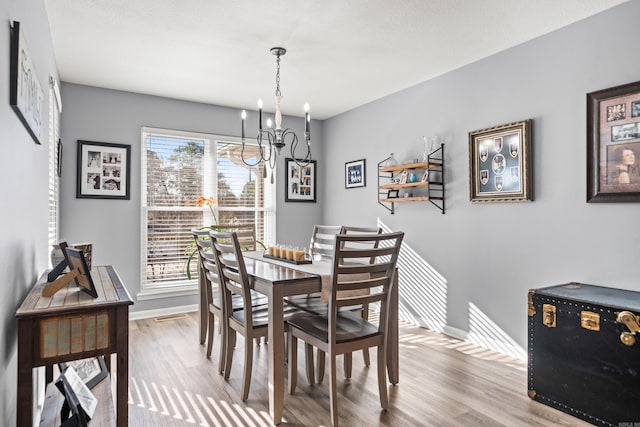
[[178, 169]]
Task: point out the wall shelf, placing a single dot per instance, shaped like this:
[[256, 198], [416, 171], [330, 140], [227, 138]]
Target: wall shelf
[[431, 190]]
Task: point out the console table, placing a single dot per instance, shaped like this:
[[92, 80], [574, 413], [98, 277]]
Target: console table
[[72, 325]]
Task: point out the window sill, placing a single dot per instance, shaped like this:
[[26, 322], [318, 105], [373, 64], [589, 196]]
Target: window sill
[[167, 292]]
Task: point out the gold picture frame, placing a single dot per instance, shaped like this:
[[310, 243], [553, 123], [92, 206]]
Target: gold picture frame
[[500, 163]]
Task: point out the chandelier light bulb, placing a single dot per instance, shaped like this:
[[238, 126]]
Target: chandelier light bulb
[[244, 114], [306, 107], [269, 122], [259, 103]]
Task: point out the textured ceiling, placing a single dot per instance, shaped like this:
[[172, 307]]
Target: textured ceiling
[[341, 53]]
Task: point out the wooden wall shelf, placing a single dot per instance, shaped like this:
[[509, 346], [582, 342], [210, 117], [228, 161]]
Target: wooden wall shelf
[[431, 190]]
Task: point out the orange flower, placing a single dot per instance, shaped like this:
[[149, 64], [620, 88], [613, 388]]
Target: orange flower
[[208, 201]]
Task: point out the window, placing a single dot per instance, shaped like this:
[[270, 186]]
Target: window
[[54, 181], [177, 169]]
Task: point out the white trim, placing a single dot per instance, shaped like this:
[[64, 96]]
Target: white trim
[[158, 292], [146, 314], [455, 332]]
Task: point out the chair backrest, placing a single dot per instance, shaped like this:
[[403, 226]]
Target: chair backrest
[[232, 271], [348, 229], [363, 276], [246, 234], [322, 241], [208, 270]]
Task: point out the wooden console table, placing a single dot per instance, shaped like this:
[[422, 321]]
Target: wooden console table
[[72, 325]]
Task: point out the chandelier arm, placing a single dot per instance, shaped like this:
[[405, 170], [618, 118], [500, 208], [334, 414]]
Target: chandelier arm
[[244, 160]]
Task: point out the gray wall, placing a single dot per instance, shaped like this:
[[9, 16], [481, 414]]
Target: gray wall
[[478, 261], [24, 173], [113, 226]]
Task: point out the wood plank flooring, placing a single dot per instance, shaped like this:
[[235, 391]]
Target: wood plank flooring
[[443, 382]]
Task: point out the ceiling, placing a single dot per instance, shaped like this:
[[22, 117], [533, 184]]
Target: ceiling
[[340, 53]]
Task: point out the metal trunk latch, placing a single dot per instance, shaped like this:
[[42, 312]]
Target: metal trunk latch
[[633, 323], [590, 320], [549, 315]]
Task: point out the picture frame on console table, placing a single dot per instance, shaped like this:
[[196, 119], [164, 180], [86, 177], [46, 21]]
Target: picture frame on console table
[[300, 181], [613, 144], [500, 163], [104, 170]]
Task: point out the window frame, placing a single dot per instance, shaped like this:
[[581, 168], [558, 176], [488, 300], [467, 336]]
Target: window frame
[[183, 287]]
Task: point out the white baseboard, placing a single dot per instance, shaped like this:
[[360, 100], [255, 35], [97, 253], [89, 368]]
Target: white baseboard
[[455, 332], [146, 314]]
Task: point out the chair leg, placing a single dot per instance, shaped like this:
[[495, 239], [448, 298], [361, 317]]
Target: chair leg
[[382, 377], [333, 390], [320, 366], [210, 330], [223, 346], [292, 342], [248, 366], [365, 351], [308, 357], [228, 358], [348, 363]]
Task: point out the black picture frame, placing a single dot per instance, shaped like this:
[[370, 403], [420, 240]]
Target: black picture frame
[[25, 93], [613, 144], [393, 194], [59, 158], [91, 370], [300, 181], [500, 163], [355, 173], [103, 170], [76, 260]]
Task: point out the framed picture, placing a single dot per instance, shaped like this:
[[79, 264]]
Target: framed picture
[[500, 163], [300, 181], [81, 403], [613, 144], [77, 261], [91, 370], [103, 170], [59, 158], [393, 194], [354, 174], [26, 96]]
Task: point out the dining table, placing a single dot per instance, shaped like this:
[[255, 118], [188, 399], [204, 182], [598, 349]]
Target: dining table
[[278, 279]]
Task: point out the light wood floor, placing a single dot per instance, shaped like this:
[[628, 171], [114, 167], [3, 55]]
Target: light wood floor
[[443, 382]]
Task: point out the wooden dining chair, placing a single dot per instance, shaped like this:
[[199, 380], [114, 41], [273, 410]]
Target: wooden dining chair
[[364, 309], [246, 234], [340, 332], [208, 280], [250, 322], [322, 239]]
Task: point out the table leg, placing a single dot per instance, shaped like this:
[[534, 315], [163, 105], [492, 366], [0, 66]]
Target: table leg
[[393, 366], [25, 374], [122, 360], [276, 353]]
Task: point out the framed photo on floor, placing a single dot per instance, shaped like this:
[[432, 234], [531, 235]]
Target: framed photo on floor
[[91, 370], [104, 170], [613, 144], [300, 181], [499, 163], [355, 174]]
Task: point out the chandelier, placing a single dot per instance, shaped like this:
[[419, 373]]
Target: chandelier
[[272, 140]]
